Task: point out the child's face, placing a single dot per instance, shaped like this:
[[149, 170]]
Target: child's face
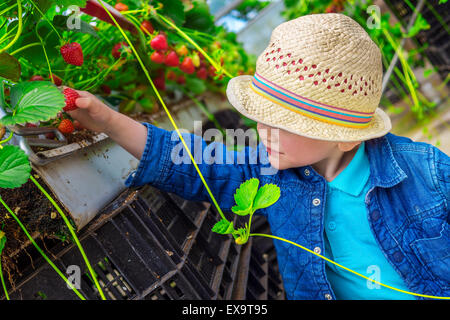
[[288, 150]]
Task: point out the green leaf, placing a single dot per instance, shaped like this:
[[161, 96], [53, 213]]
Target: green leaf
[[199, 18], [173, 9], [196, 86], [244, 197], [34, 101], [67, 3], [9, 67], [223, 227], [60, 21], [2, 95], [419, 24], [14, 167], [267, 195]]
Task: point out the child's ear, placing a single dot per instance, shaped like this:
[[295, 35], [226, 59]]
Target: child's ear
[[347, 146]]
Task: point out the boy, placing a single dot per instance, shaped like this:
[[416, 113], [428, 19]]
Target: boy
[[350, 190]]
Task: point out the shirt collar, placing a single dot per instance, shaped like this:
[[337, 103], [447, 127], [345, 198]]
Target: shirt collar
[[354, 177]]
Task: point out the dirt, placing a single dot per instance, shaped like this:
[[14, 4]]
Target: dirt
[[74, 137], [39, 217]]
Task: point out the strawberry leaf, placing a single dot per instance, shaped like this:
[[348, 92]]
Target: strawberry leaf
[[267, 195], [14, 167], [223, 227], [10, 67], [34, 101], [244, 197]]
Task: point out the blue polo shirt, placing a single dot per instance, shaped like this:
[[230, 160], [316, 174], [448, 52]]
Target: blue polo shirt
[[349, 240]]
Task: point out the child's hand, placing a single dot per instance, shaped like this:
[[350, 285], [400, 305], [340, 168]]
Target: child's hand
[[92, 113]]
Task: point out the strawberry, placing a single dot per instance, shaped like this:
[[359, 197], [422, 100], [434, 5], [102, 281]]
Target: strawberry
[[196, 60], [181, 79], [30, 125], [36, 78], [157, 57], [70, 95], [66, 126], [159, 43], [72, 53], [171, 75], [160, 83], [106, 89], [182, 51], [56, 80], [187, 66], [50, 135], [77, 125], [116, 52], [121, 6], [172, 59], [147, 27], [202, 73]]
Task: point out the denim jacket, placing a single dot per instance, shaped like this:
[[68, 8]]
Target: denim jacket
[[407, 204]]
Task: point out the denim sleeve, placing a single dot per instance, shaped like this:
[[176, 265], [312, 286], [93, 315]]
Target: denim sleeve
[[443, 174], [166, 166]]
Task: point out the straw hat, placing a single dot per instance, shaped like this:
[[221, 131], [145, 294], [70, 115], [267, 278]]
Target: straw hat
[[320, 77]]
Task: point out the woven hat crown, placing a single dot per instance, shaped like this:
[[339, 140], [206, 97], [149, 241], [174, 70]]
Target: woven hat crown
[[328, 58]]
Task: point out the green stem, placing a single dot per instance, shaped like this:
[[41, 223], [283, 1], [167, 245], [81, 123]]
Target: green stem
[[40, 250], [72, 232], [7, 139], [102, 74], [25, 47], [345, 268], [7, 9], [19, 30], [45, 54], [165, 109], [3, 280]]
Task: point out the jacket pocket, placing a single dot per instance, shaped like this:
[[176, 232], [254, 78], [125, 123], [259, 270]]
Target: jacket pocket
[[434, 254]]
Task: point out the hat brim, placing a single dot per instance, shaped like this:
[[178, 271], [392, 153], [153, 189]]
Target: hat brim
[[259, 109]]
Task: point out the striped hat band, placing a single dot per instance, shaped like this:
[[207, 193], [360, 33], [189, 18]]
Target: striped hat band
[[308, 107]]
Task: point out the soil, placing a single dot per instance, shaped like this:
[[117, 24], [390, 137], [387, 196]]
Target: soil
[[74, 137], [39, 217]]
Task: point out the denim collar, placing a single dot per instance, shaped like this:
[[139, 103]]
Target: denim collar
[[384, 169]]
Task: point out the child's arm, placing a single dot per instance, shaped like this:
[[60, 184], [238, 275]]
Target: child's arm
[[160, 164], [96, 116]]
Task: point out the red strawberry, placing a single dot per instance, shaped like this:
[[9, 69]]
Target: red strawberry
[[146, 26], [50, 135], [181, 79], [157, 57], [160, 83], [171, 75], [202, 73], [30, 125], [121, 6], [72, 53], [56, 80], [106, 89], [36, 78], [66, 126], [77, 125], [172, 59], [187, 66], [116, 49], [71, 95], [159, 43]]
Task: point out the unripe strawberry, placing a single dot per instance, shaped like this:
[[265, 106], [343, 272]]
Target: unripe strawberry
[[159, 43], [172, 59], [187, 66], [157, 57], [66, 126], [182, 51], [196, 60], [72, 53], [146, 26], [70, 95]]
